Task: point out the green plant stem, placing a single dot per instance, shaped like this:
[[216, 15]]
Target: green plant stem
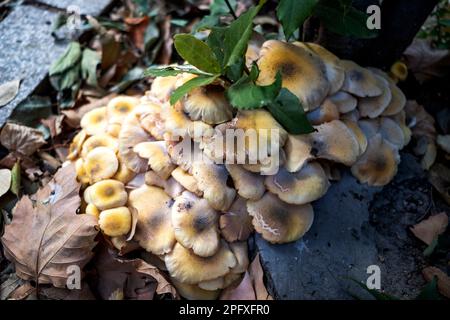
[[231, 9]]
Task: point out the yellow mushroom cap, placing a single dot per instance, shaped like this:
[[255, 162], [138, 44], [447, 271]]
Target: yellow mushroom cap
[[335, 141], [208, 104], [92, 210], [333, 70], [99, 140], [170, 186], [194, 292], [212, 181], [399, 71], [248, 184], [378, 165], [81, 173], [327, 112], [301, 187], [298, 152], [151, 119], [176, 122], [236, 224], [124, 174], [76, 145], [359, 134], [113, 129], [397, 103], [303, 72], [344, 101], [115, 222], [106, 194], [154, 230], [101, 163], [352, 115], [212, 285], [95, 121], [130, 135], [240, 251], [359, 81], [162, 87], [372, 107], [158, 158], [185, 266], [186, 180], [280, 222], [119, 107], [195, 224]]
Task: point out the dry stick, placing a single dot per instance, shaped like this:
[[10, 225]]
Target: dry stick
[[231, 9]]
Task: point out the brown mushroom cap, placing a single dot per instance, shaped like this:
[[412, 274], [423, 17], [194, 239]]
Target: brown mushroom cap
[[333, 70], [280, 222], [303, 72], [195, 224], [240, 251], [344, 101], [378, 165], [187, 267], [392, 132], [154, 230], [359, 134], [397, 103], [248, 184], [236, 223], [372, 107], [360, 81], [301, 187], [298, 152], [208, 104], [212, 181], [335, 141], [327, 112]]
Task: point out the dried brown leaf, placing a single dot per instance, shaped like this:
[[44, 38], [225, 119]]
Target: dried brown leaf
[[54, 124], [439, 177], [8, 91], [256, 273], [428, 229], [46, 235], [21, 139], [443, 281]]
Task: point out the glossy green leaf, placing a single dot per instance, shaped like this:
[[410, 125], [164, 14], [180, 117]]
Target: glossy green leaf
[[69, 59], [293, 13], [169, 71], [16, 179], [199, 81], [89, 62], [197, 53]]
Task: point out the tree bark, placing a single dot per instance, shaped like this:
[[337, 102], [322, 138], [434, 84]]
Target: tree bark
[[400, 22]]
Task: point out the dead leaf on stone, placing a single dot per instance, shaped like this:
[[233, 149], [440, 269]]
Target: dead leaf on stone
[[439, 177], [428, 229], [256, 273], [21, 139], [443, 281], [135, 278], [46, 235], [5, 181], [8, 91], [54, 124], [243, 291]]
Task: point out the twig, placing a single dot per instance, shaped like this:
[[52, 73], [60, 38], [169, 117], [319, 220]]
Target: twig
[[231, 9]]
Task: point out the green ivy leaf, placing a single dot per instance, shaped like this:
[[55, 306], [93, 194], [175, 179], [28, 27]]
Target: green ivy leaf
[[341, 18], [293, 13], [170, 71], [89, 62], [199, 81], [70, 58], [288, 111], [246, 95], [197, 53]]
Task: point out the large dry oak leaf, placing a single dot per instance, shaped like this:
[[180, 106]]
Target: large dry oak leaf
[[46, 236]]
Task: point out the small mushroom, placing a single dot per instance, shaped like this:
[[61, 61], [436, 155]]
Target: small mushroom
[[76, 145], [236, 224], [186, 180], [378, 165], [115, 222], [344, 101], [176, 122], [301, 187], [100, 163], [359, 81], [81, 172], [162, 87], [208, 104], [92, 210], [113, 129], [106, 194], [302, 71], [154, 230], [333, 70], [400, 119], [397, 103], [280, 222], [150, 119], [392, 132], [119, 107], [185, 266], [99, 140], [372, 107], [170, 186], [335, 141], [358, 133], [298, 152], [327, 112], [158, 158], [352, 115], [248, 184], [195, 224], [399, 71], [124, 174], [212, 181], [240, 251], [95, 121]]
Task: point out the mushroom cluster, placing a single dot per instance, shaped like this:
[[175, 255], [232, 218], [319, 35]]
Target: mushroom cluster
[[196, 215]]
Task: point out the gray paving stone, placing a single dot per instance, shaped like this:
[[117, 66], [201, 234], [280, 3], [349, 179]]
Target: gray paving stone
[[93, 7], [27, 49]]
